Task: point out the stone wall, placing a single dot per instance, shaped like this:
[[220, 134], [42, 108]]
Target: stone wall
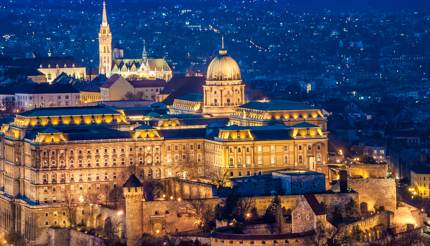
[[66, 237], [375, 192], [368, 170], [372, 227]]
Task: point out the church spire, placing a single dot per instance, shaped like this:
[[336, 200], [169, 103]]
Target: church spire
[[104, 18], [144, 52]]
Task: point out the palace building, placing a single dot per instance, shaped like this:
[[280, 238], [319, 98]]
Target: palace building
[[112, 61], [52, 160]]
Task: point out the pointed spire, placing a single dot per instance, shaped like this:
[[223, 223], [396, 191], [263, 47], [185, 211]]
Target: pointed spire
[[144, 53], [104, 18], [49, 51], [222, 51]]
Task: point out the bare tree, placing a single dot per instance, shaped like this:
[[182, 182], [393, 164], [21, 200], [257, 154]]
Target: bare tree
[[204, 212], [70, 207], [245, 205]]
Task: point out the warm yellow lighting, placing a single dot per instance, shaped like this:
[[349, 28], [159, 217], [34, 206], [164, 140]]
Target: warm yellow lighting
[[77, 120], [66, 120]]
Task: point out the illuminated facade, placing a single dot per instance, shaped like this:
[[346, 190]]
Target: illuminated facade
[[53, 156], [420, 181], [113, 62], [105, 45], [54, 161], [224, 90]]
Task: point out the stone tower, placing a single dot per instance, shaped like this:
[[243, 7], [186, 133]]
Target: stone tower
[[224, 90], [133, 194], [105, 45]]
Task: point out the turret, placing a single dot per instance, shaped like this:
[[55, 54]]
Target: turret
[[133, 194]]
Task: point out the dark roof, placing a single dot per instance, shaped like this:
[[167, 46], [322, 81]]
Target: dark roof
[[276, 105], [99, 109], [305, 125], [6, 90], [112, 79], [142, 83], [194, 97], [45, 88], [184, 133], [132, 182], [143, 127], [147, 83], [317, 208], [180, 85], [421, 169]]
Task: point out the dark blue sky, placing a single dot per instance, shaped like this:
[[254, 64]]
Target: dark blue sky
[[389, 5], [303, 5]]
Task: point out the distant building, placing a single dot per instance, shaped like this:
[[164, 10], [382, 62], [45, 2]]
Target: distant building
[[44, 69], [420, 181], [119, 88], [45, 95], [280, 183], [113, 62], [90, 96], [378, 153]]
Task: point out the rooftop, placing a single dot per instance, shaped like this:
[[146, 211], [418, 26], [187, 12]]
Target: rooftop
[[63, 111], [276, 105], [421, 169]]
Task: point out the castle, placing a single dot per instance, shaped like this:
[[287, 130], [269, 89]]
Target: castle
[[56, 164]]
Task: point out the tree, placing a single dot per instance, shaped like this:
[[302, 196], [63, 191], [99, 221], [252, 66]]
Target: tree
[[230, 206], [70, 207], [244, 207], [351, 210], [152, 189], [336, 217], [219, 178], [320, 234], [204, 213], [271, 211]]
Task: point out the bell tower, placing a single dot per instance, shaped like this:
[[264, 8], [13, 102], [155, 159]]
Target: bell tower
[[105, 45]]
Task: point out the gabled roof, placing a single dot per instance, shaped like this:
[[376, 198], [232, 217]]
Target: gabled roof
[[132, 182], [112, 80], [317, 208], [181, 85]]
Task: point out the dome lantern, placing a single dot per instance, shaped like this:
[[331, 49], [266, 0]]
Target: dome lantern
[[223, 67]]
